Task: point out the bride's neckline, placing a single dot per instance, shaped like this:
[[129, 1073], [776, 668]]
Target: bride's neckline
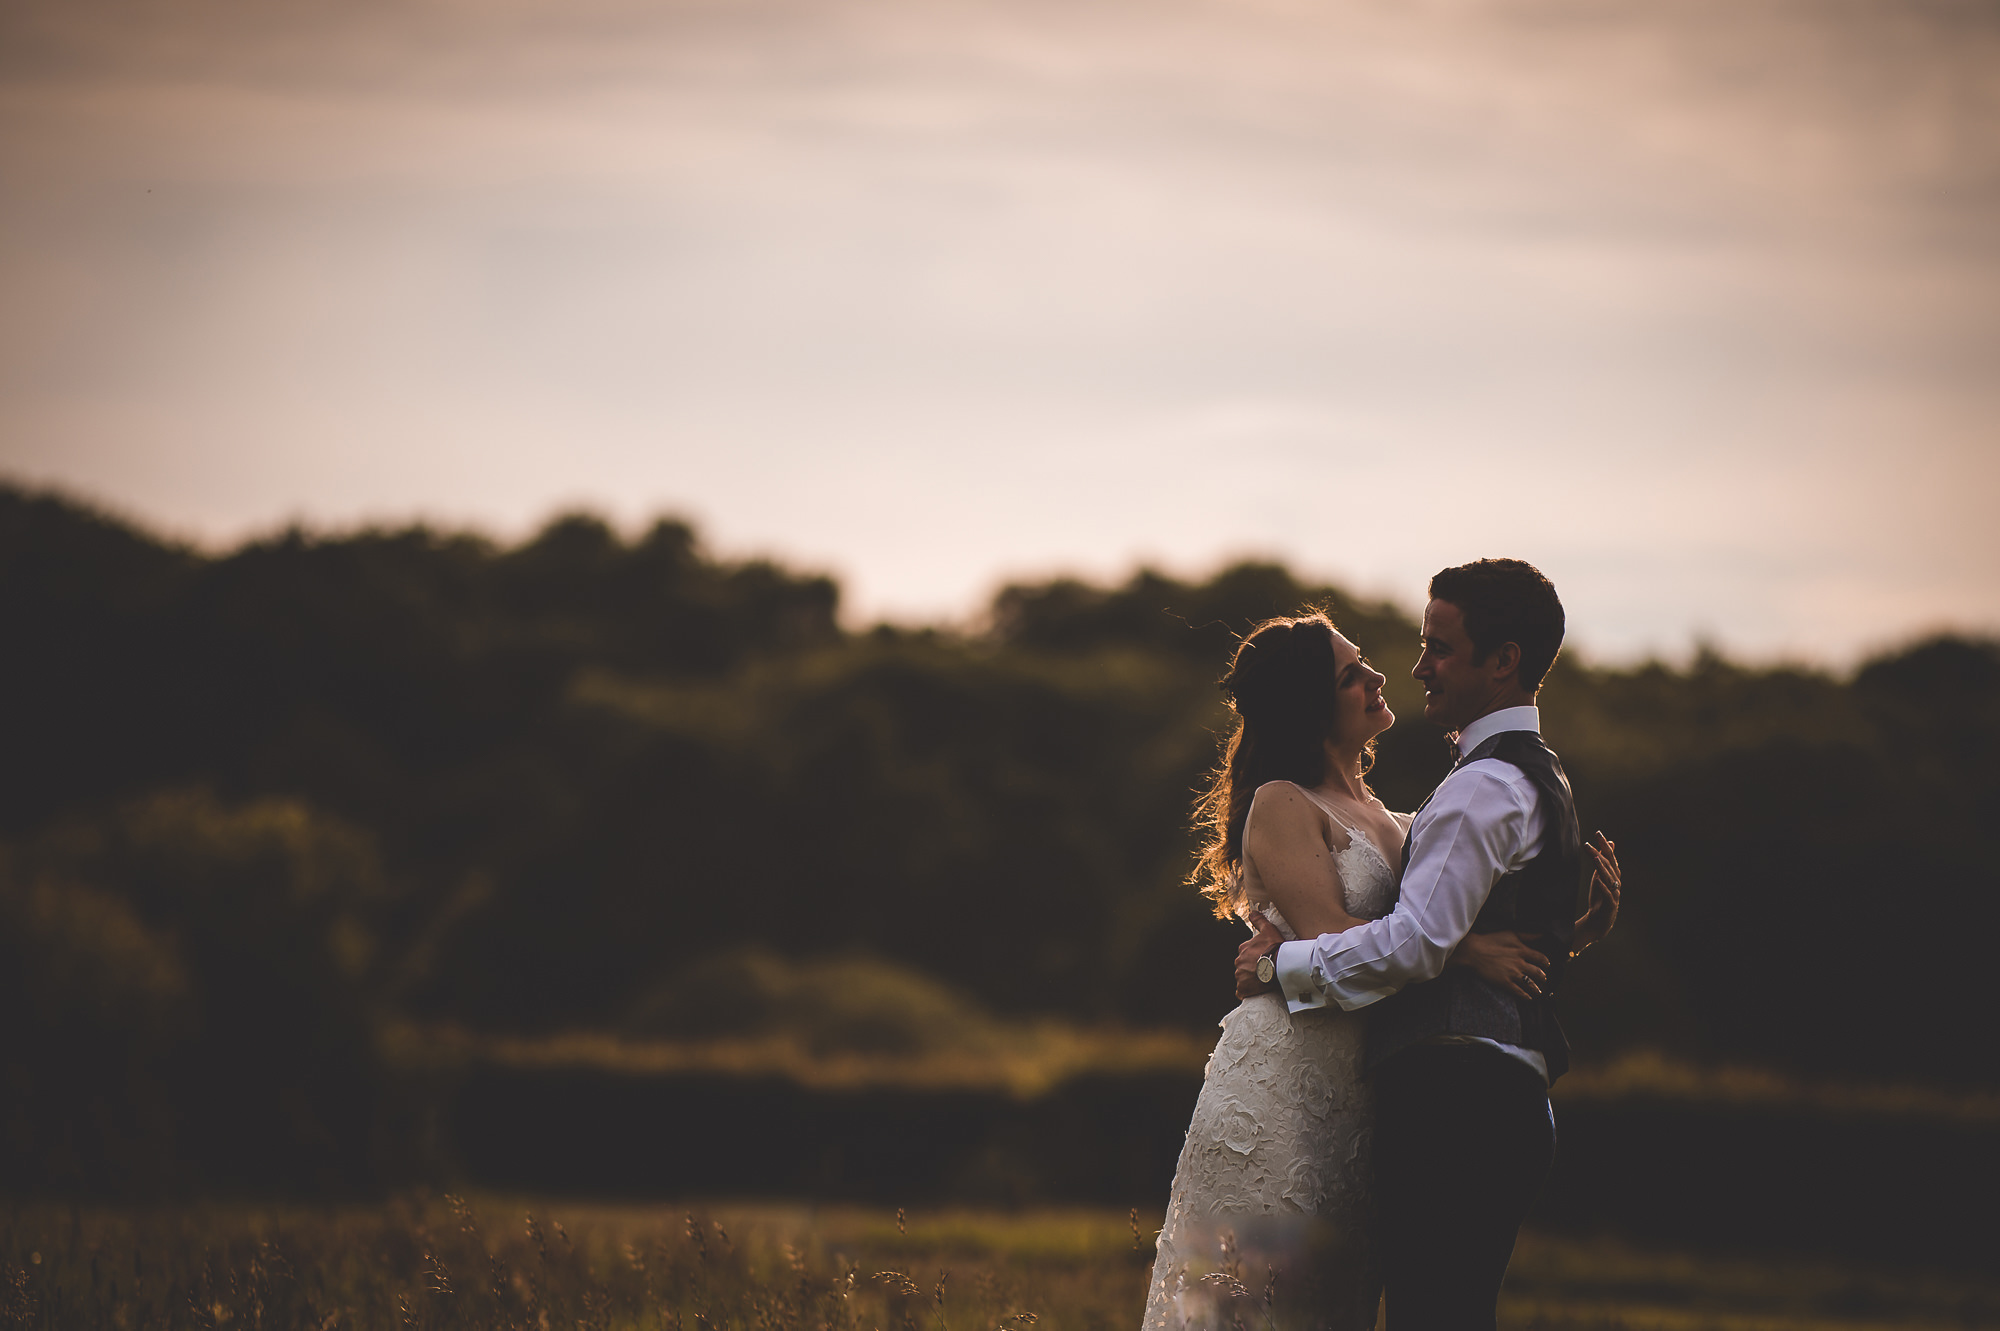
[[1354, 834]]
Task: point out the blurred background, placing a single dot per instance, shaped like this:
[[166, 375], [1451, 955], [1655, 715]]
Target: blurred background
[[624, 599]]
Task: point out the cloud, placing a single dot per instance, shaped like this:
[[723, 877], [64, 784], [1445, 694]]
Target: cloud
[[1704, 292]]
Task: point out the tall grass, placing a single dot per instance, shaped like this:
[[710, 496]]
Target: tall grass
[[497, 1264], [444, 1264]]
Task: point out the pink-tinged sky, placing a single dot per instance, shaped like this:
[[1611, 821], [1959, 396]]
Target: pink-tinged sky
[[1694, 302]]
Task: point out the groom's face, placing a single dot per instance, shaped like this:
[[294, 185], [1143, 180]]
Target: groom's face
[[1455, 689]]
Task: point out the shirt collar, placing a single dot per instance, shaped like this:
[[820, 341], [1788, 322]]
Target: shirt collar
[[1491, 724]]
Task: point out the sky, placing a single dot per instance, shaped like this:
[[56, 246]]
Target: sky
[[1695, 303]]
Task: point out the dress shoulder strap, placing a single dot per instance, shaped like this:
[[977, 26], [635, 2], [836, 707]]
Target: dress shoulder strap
[[1326, 809]]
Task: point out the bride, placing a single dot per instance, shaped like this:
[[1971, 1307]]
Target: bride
[[1271, 1201]]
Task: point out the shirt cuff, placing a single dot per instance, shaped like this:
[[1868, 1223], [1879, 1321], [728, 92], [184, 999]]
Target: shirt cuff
[[1300, 976]]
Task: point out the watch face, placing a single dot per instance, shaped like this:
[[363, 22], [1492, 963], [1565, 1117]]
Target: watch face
[[1267, 969]]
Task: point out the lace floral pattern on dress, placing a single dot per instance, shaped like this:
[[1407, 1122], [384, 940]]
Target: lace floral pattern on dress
[[1273, 1181]]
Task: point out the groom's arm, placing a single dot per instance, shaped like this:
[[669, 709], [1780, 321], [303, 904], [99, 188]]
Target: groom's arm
[[1477, 827]]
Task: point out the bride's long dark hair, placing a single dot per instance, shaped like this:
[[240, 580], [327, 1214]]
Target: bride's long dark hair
[[1281, 686]]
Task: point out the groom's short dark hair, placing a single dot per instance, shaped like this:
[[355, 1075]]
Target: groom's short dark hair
[[1506, 600]]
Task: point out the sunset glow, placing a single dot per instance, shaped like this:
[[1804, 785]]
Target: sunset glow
[[1694, 304]]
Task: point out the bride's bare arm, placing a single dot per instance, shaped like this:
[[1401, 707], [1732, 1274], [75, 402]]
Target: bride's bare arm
[[1285, 840]]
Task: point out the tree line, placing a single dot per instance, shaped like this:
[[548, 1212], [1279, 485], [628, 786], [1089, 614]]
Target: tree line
[[257, 804]]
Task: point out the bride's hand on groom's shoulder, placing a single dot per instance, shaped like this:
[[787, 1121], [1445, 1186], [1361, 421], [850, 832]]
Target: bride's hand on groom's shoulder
[[1262, 942], [1504, 959]]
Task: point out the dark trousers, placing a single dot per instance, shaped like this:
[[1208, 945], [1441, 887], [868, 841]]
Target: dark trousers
[[1463, 1140]]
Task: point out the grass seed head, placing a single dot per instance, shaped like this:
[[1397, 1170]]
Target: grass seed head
[[697, 1236], [899, 1282]]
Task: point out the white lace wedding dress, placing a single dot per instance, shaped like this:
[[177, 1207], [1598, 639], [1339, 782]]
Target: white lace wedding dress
[[1272, 1190]]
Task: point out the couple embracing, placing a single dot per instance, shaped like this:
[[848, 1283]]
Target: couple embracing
[[1375, 1122]]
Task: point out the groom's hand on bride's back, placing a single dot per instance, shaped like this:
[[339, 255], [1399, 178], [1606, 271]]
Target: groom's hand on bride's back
[[1259, 945]]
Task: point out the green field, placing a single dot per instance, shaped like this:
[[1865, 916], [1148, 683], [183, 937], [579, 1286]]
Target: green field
[[497, 1262]]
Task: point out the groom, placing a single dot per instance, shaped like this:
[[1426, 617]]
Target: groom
[[1461, 1068]]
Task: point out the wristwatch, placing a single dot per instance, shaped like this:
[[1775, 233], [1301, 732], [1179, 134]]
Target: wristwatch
[[1267, 968]]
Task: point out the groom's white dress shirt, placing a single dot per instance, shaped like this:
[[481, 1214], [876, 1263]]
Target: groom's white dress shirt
[[1485, 820]]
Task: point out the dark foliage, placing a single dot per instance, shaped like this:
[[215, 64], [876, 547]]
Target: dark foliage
[[257, 801]]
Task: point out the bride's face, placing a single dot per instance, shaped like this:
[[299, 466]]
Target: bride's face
[[1358, 695]]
